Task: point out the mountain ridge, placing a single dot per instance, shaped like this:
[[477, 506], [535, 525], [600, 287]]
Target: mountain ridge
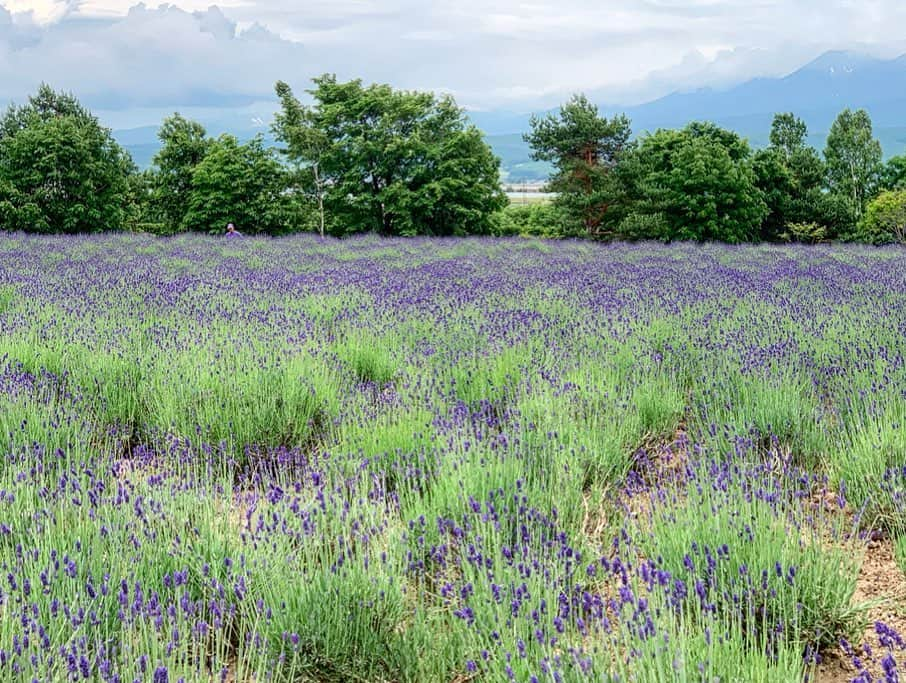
[[816, 91]]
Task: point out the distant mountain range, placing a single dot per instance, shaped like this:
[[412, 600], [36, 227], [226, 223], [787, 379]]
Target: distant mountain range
[[816, 92]]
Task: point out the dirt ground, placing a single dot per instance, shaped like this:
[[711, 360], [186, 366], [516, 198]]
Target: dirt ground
[[881, 581]]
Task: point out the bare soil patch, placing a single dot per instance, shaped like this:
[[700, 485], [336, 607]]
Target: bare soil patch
[[881, 583]]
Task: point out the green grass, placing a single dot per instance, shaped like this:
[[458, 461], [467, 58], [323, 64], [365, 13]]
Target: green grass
[[241, 401], [7, 298]]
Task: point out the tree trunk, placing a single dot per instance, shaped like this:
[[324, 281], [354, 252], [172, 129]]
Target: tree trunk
[[320, 190], [856, 202]]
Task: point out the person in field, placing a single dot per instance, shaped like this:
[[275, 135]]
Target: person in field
[[231, 231]]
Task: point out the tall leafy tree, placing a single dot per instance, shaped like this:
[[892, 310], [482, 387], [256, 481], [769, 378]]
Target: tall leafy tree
[[395, 162], [893, 176], [736, 147], [184, 145], [584, 148], [788, 134], [307, 146], [853, 158], [790, 173], [60, 170], [774, 179], [238, 183], [693, 184]]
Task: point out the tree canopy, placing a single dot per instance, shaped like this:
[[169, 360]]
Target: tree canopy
[[788, 134], [358, 157], [893, 175], [391, 161], [790, 175], [306, 148], [884, 221], [854, 159], [238, 183], [60, 170], [693, 184], [184, 145], [584, 148]]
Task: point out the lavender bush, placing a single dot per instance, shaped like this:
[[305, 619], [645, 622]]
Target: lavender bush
[[448, 460]]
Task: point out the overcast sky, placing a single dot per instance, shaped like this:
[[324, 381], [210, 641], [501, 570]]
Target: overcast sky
[[133, 62]]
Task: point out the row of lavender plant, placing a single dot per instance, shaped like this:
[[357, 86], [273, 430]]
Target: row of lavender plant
[[443, 460]]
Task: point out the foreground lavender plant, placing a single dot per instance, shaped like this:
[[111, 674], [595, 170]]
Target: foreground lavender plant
[[424, 460]]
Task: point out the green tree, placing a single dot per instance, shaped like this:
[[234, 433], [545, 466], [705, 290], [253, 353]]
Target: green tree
[[893, 177], [775, 180], [884, 221], [788, 134], [242, 184], [307, 146], [736, 147], [141, 212], [60, 170], [184, 145], [837, 214], [809, 233], [399, 163], [853, 157], [693, 184], [790, 173], [584, 148]]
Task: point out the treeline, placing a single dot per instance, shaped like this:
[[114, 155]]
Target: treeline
[[368, 158], [358, 159], [705, 183]]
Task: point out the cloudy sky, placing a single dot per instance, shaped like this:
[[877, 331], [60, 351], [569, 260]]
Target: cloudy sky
[[132, 62]]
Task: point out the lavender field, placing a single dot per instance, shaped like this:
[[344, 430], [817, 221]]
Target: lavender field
[[456, 460]]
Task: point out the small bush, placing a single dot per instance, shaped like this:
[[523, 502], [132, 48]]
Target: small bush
[[368, 359], [7, 297], [869, 466], [809, 233], [884, 221], [531, 220], [643, 226], [727, 538]]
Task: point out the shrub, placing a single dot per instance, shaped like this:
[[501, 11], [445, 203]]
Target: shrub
[[746, 556], [531, 220], [884, 221], [869, 467], [368, 361], [810, 233], [643, 226]]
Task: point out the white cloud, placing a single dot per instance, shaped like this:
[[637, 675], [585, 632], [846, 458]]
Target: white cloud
[[147, 57], [519, 54], [39, 11]]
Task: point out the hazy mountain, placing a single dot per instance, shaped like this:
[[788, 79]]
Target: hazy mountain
[[816, 92], [142, 143]]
